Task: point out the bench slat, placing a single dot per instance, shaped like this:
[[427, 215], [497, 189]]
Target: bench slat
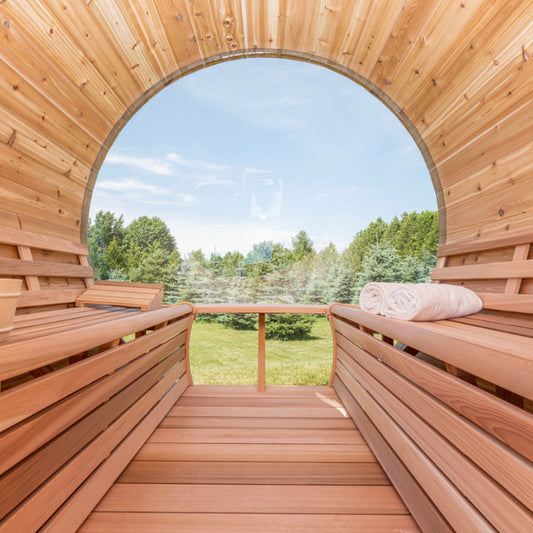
[[501, 270], [14, 267], [34, 240], [490, 242], [143, 296]]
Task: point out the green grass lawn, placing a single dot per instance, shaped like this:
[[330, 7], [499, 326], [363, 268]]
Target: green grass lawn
[[221, 356]]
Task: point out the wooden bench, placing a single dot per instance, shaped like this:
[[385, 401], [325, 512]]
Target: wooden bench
[[77, 402], [458, 455], [144, 296], [454, 434], [54, 272]]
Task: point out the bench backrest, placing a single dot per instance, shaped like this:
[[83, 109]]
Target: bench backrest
[[54, 272], [499, 268]]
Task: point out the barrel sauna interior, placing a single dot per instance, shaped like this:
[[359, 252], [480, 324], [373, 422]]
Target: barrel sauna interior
[[424, 425]]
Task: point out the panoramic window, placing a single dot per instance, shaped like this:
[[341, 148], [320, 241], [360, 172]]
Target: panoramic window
[[264, 181]]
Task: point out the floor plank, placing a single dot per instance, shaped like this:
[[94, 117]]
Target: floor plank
[[212, 422], [265, 412], [244, 523], [250, 391], [237, 472], [286, 499], [313, 453], [258, 436]]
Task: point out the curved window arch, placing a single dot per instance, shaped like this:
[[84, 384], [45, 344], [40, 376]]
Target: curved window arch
[[255, 147]]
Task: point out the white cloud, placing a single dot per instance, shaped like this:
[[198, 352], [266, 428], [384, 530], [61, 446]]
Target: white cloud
[[155, 166], [131, 185], [183, 200], [256, 171], [214, 181], [194, 163]]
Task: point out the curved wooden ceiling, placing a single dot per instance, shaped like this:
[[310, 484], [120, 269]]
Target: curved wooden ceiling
[[457, 73]]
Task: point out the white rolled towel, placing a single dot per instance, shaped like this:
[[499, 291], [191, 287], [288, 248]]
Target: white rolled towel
[[374, 295], [431, 301]]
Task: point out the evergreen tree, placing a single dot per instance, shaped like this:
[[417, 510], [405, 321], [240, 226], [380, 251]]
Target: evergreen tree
[[302, 246], [281, 256], [383, 263], [216, 264], [316, 292], [343, 290], [232, 264], [370, 236], [260, 253], [158, 266]]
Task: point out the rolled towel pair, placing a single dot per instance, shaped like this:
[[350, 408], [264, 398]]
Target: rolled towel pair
[[419, 301]]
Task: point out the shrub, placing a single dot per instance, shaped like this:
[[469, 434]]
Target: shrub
[[238, 321], [288, 327]]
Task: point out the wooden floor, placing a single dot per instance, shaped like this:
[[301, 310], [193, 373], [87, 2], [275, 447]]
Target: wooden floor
[[231, 459]]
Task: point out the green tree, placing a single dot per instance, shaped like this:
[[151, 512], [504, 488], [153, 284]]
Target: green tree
[[355, 253], [115, 257], [414, 233], [383, 263], [106, 229], [260, 253], [157, 266], [281, 256], [144, 232], [216, 264], [343, 289], [232, 264], [197, 256], [302, 246]]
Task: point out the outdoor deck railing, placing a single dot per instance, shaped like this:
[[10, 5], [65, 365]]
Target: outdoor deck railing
[[261, 310]]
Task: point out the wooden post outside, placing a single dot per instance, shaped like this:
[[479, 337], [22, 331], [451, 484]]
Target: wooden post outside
[[261, 387]]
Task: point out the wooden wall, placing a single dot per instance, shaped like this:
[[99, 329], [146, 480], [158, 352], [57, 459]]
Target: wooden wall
[[458, 74]]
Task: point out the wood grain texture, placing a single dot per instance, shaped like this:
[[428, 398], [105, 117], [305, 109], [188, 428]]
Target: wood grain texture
[[291, 474], [123, 294], [467, 475], [261, 308], [38, 352], [501, 358], [431, 408], [454, 507], [266, 473], [252, 499], [74, 511], [418, 502], [23, 401], [502, 420], [67, 89], [243, 523]]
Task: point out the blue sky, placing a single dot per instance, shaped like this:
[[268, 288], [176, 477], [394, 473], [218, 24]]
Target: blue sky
[[259, 149]]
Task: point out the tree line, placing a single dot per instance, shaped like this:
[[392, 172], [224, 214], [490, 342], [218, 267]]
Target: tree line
[[402, 250]]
